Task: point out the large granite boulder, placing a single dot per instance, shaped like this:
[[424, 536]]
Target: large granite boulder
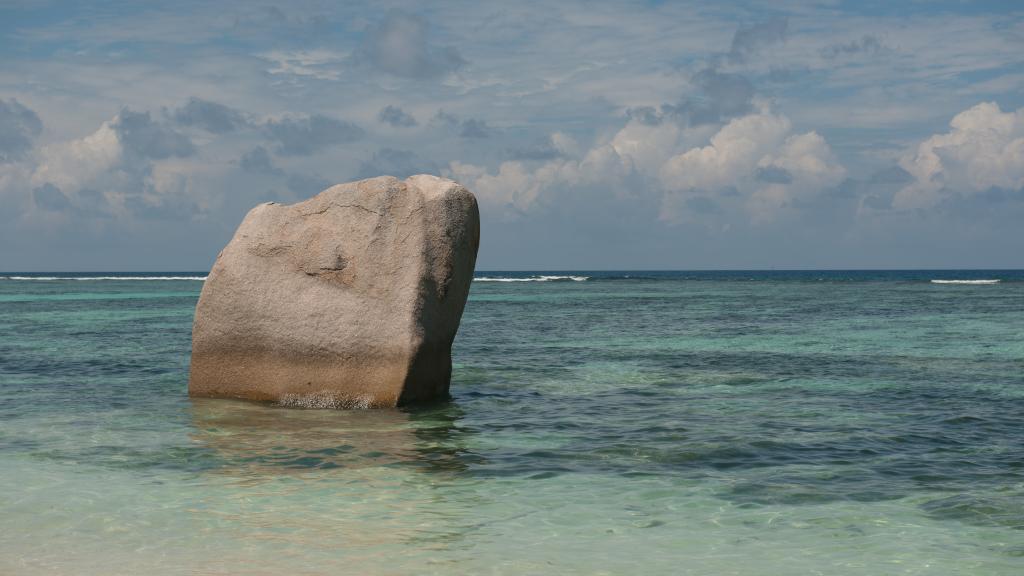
[[349, 299]]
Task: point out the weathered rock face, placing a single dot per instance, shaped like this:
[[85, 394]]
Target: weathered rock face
[[349, 299]]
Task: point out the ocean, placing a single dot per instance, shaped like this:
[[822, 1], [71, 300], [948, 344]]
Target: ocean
[[704, 423]]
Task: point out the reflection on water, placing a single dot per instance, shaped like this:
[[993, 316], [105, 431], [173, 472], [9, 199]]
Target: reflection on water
[[359, 483], [254, 440]]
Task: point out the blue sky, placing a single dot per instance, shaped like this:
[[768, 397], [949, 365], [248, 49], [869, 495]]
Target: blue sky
[[596, 135]]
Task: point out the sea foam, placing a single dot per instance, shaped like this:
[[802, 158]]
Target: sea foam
[[996, 281]]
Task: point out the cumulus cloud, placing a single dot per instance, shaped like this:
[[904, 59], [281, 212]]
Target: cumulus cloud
[[75, 163], [636, 149], [117, 171], [210, 116], [983, 150], [305, 135], [397, 117], [808, 168], [740, 143], [514, 184], [750, 40], [757, 160], [400, 45], [621, 166], [19, 126], [140, 166], [163, 192]]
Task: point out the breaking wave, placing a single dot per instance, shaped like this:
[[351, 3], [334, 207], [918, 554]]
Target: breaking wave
[[531, 279], [965, 281]]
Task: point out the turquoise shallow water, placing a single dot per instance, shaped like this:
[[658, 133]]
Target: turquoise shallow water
[[630, 423]]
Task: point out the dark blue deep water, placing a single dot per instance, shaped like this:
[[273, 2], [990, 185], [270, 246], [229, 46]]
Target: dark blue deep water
[[732, 422]]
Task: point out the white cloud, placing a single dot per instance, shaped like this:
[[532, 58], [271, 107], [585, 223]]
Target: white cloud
[[514, 185], [565, 144], [123, 169], [984, 149], [811, 168], [80, 162], [756, 159], [734, 151], [635, 148], [644, 147]]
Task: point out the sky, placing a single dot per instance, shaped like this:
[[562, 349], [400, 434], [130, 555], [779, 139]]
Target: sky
[[134, 136]]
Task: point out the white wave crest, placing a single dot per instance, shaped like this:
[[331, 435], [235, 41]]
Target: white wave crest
[[965, 281], [122, 278], [531, 279]]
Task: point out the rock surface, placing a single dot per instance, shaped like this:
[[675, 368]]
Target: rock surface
[[349, 299]]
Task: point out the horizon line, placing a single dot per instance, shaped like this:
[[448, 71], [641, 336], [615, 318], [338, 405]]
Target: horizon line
[[540, 270]]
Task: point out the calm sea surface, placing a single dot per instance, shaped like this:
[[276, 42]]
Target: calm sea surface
[[762, 423]]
